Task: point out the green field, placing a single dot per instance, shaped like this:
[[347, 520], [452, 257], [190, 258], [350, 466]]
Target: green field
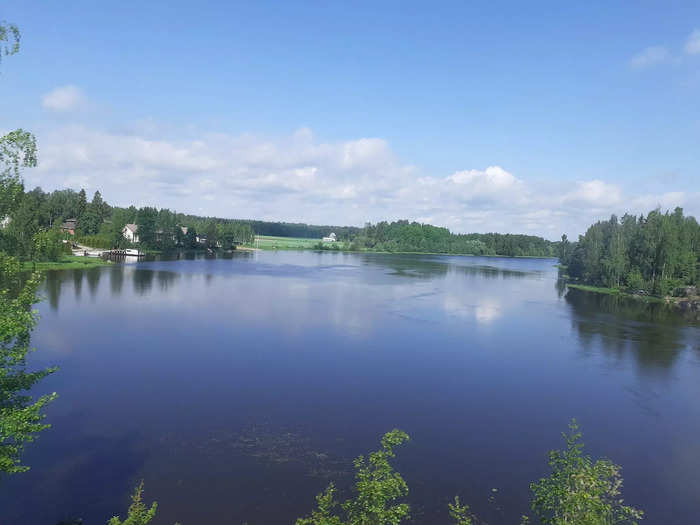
[[284, 243]]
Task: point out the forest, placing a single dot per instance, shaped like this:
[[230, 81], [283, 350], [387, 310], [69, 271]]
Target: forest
[[32, 229], [657, 254], [405, 236]]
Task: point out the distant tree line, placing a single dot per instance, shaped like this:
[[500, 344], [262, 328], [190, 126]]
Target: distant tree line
[[405, 236], [301, 230], [657, 254]]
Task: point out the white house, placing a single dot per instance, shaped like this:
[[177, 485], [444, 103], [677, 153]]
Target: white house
[[330, 238], [130, 232]]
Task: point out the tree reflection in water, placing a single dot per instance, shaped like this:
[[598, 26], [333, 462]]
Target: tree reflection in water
[[654, 333]]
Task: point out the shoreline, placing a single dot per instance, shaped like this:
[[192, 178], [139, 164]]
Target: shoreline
[[266, 249], [67, 262], [682, 303], [617, 291]]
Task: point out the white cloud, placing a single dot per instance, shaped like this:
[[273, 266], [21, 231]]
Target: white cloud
[[301, 178], [692, 45], [64, 98], [651, 56], [593, 194]]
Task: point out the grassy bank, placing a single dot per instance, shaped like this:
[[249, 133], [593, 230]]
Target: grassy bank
[[616, 291], [597, 289], [67, 262]]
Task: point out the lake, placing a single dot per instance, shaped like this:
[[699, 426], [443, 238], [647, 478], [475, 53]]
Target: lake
[[238, 387]]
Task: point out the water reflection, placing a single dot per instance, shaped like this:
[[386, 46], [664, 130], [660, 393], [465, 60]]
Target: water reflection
[[78, 283], [166, 279], [653, 333], [93, 280], [116, 279], [143, 280], [53, 288], [427, 267], [347, 345], [79, 472]]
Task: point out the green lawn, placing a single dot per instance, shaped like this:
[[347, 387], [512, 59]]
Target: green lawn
[[284, 243], [67, 262]]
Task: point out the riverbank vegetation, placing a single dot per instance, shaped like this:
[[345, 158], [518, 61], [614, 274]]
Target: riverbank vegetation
[[66, 262], [68, 214], [405, 236], [21, 416], [578, 490], [658, 254]]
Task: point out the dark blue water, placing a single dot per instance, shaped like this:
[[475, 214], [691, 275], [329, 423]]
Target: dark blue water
[[238, 388]]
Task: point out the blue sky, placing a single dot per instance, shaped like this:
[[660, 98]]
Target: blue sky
[[522, 117]]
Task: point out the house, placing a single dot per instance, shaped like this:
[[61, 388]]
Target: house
[[130, 232], [5, 222], [184, 230], [69, 226], [331, 238]]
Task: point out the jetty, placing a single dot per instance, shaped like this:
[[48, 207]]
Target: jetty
[[86, 251]]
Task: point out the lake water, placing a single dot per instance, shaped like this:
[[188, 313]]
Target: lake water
[[237, 388]]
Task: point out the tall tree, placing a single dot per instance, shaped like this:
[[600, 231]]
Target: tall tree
[[146, 220], [82, 205], [20, 415]]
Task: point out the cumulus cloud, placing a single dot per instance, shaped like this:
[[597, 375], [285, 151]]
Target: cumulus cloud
[[63, 99], [651, 56], [593, 194], [692, 44], [299, 177]]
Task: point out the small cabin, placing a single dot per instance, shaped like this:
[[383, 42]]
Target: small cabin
[[69, 226], [130, 232], [331, 238]]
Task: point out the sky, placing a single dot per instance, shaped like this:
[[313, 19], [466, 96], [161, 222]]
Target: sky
[[537, 117]]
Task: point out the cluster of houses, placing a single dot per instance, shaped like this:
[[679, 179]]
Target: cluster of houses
[[130, 231], [131, 234]]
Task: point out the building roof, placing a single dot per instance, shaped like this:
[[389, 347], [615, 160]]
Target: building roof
[[132, 227]]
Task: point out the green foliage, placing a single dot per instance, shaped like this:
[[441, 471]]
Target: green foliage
[[146, 220], [9, 39], [49, 245], [103, 241], [17, 151], [231, 233], [580, 491], [138, 513], [459, 513], [377, 489], [81, 206], [655, 254], [20, 415], [94, 214], [405, 236]]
